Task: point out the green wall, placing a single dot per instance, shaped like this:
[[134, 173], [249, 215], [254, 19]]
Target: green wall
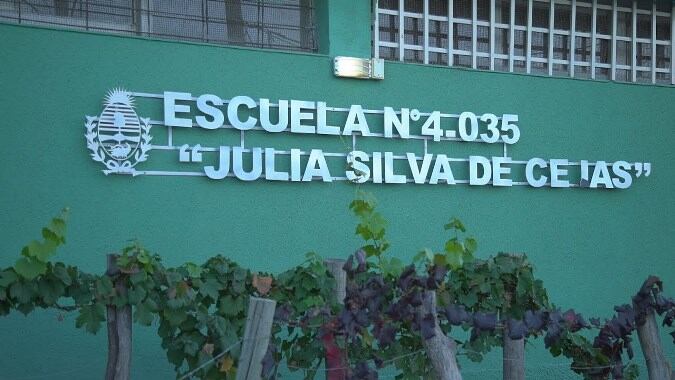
[[593, 248], [344, 27]]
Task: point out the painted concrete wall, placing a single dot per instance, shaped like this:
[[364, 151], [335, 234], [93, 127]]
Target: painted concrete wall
[[592, 248], [344, 27]]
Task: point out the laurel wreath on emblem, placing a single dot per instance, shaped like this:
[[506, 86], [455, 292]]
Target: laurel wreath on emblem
[[116, 166]]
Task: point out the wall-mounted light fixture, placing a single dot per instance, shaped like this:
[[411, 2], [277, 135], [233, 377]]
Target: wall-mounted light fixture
[[359, 68]]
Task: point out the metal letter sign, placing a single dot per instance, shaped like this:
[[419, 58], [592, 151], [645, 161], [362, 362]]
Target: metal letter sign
[[119, 139]]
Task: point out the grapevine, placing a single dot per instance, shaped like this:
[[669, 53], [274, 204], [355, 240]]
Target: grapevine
[[200, 309]]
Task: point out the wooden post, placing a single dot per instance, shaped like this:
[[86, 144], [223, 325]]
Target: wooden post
[[119, 330], [335, 268], [336, 364], [658, 367], [513, 352], [440, 349], [256, 338], [513, 357], [113, 345]]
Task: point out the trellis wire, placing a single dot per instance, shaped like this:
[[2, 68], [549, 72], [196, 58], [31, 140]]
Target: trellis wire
[[210, 361]]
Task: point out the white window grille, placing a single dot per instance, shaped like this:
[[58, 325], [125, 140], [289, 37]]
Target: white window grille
[[621, 40]]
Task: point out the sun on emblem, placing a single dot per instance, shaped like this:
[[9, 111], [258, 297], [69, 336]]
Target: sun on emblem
[[118, 138]]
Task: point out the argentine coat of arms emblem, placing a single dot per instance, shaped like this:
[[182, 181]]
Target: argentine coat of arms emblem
[[118, 138]]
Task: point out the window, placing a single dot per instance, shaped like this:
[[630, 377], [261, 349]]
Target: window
[[621, 40], [275, 24]]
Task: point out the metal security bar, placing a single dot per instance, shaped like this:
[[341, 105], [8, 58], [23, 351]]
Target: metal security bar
[[622, 40], [274, 24]]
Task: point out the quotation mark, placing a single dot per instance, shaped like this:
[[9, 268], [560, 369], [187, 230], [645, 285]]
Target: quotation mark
[[641, 168], [193, 155]]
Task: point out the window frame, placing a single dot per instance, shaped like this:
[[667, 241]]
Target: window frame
[[148, 19]]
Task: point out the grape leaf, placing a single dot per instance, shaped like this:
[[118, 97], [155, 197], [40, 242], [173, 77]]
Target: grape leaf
[[41, 251], [455, 224], [471, 244], [175, 356], [208, 349], [22, 291], [91, 317], [453, 246], [175, 316], [29, 267], [262, 284], [227, 364], [231, 306], [210, 288], [136, 294], [104, 287], [58, 226], [193, 270], [59, 270], [7, 277], [50, 289], [143, 314]]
